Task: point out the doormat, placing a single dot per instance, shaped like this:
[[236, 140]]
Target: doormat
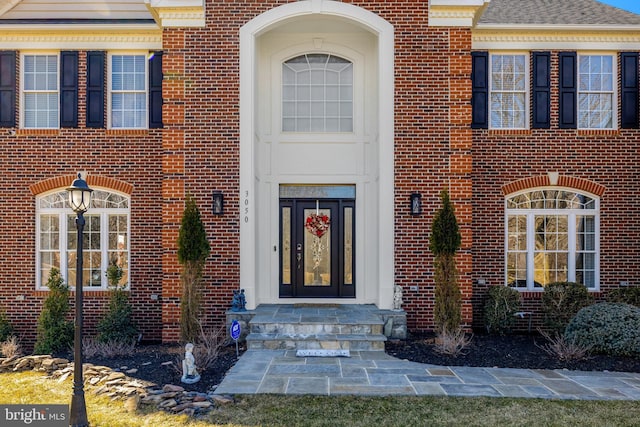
[[323, 353], [312, 305]]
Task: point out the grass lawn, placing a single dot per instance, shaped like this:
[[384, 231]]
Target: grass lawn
[[271, 410]]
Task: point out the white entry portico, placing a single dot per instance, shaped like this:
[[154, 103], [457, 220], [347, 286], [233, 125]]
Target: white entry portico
[[273, 155]]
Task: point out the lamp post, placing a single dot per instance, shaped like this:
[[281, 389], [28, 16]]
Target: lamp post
[[79, 199]]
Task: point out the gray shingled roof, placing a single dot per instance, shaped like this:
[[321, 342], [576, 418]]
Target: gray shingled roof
[[555, 12]]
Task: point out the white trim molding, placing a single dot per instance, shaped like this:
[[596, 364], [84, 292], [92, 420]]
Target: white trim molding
[[177, 13], [457, 13], [545, 39], [250, 273]]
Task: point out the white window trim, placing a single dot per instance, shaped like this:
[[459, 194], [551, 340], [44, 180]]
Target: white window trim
[[344, 52], [615, 103], [527, 86], [571, 214], [63, 242], [110, 91], [22, 103]]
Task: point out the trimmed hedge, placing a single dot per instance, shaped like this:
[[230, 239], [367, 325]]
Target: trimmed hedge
[[630, 295], [608, 328]]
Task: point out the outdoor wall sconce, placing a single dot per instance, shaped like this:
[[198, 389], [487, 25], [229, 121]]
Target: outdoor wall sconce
[[218, 203], [416, 203]]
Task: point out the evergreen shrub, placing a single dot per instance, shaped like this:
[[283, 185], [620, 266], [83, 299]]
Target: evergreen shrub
[[561, 301], [117, 325], [54, 331], [630, 295], [6, 330], [607, 328], [499, 309]]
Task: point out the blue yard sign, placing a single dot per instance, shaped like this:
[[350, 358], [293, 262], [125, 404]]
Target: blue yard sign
[[235, 330], [235, 333]]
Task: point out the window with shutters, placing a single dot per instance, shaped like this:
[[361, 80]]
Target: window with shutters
[[508, 91], [128, 91], [596, 92], [40, 91]]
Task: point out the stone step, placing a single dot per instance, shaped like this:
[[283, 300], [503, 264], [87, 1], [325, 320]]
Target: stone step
[[354, 342], [309, 328]]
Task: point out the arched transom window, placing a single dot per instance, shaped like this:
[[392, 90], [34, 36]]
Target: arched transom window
[[317, 94], [550, 236], [105, 238]]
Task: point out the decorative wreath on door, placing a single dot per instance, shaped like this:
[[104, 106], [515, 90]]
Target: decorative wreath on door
[[317, 224]]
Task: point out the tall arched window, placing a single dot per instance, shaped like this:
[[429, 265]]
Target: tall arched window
[[106, 238], [317, 94], [552, 235]]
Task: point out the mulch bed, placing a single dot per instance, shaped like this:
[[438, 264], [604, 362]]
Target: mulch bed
[[509, 351]]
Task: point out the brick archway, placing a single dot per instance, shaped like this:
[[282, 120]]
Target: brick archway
[[576, 183], [64, 181]]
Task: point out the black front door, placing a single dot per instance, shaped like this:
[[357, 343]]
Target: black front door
[[317, 253]]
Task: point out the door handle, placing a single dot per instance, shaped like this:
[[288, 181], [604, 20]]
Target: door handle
[[299, 258]]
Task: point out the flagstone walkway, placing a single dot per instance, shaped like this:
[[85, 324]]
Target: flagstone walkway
[[376, 373]]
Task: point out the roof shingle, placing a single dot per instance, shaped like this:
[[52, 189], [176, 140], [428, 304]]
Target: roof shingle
[[555, 12]]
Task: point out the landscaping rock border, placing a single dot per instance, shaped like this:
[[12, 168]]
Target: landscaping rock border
[[114, 383]]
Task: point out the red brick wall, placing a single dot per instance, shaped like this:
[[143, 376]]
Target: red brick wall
[[604, 162], [40, 160]]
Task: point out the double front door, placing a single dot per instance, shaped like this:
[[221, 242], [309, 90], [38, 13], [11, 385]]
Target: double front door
[[317, 248]]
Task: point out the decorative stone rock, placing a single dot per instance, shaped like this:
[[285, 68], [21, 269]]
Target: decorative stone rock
[[222, 400], [132, 403], [170, 387]]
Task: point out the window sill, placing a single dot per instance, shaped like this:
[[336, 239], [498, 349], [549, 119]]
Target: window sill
[[509, 131], [29, 132], [130, 132], [598, 132]]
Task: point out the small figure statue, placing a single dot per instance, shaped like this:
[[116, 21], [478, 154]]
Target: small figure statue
[[242, 301], [397, 297], [189, 373], [235, 301]]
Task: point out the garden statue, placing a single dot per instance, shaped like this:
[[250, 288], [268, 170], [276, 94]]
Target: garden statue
[[397, 297], [239, 301], [235, 301], [243, 301], [189, 373]]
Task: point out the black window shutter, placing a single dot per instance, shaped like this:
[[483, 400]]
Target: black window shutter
[[7, 89], [629, 90], [541, 99], [95, 89], [479, 90], [155, 91], [568, 90], [69, 89]]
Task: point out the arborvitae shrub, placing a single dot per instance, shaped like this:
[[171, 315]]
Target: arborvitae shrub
[[499, 309], [193, 250], [561, 301], [444, 241], [608, 328], [54, 331], [6, 330], [117, 325]]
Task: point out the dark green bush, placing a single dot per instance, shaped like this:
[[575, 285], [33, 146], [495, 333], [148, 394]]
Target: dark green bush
[[629, 295], [561, 301], [444, 242], [609, 328], [6, 330], [502, 302], [54, 332], [117, 325]]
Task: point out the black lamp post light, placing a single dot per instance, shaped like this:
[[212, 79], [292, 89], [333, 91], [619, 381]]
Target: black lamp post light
[[79, 199]]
